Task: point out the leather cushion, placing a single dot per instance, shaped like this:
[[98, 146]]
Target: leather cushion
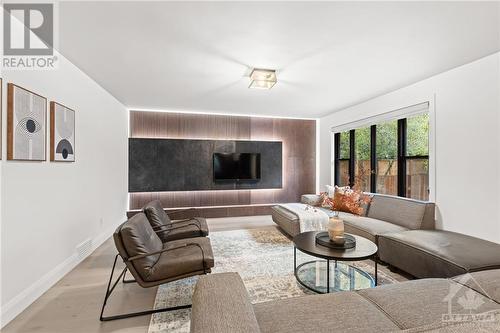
[[368, 227], [184, 260], [195, 227], [156, 215], [139, 238], [467, 252]]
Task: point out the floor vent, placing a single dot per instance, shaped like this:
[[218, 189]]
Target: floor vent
[[84, 249]]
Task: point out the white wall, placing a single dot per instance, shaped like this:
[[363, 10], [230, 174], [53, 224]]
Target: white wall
[[465, 106], [49, 208]]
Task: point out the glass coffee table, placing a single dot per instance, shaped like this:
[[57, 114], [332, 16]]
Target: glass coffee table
[[332, 273]]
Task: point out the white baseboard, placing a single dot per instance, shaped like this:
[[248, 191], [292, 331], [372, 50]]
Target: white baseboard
[[25, 298]]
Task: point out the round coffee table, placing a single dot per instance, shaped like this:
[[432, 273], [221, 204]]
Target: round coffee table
[[311, 274]]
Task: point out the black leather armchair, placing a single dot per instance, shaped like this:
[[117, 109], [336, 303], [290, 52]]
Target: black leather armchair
[[169, 229], [152, 262]]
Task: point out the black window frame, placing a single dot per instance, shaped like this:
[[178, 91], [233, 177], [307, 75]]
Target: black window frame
[[402, 157]]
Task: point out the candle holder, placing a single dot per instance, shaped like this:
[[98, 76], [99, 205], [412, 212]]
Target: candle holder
[[336, 230]]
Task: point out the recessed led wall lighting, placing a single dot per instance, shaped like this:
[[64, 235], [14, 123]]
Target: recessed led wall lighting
[[262, 78]]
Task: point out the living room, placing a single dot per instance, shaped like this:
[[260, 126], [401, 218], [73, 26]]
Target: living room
[[250, 166]]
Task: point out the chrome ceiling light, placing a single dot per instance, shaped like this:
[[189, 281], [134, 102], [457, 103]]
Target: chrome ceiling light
[[262, 78]]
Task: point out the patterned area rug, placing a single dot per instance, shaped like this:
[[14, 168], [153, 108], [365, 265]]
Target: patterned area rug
[[264, 259]]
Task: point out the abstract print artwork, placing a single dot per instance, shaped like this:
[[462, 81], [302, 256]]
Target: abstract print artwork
[[26, 124], [62, 133]]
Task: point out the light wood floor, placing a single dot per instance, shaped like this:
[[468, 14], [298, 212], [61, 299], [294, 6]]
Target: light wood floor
[[74, 303]]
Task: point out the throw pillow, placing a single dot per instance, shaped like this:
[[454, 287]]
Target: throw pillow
[[349, 201], [330, 190], [324, 201]]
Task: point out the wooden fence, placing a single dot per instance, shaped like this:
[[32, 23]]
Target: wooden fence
[[417, 179]]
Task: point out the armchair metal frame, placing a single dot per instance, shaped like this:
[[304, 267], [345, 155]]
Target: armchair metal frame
[[128, 261]]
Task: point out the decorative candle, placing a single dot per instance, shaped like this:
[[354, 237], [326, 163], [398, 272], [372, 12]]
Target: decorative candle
[[336, 230]]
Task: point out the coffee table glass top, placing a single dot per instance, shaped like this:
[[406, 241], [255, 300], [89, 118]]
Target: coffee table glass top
[[343, 277], [332, 273]]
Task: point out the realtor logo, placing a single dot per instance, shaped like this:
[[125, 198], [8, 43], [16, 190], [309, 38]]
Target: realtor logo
[[467, 301], [28, 36]]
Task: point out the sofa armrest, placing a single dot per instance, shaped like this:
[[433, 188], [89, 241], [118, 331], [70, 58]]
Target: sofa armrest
[[221, 305], [429, 218], [310, 199]]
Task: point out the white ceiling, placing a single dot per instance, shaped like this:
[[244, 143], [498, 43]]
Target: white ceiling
[[329, 55]]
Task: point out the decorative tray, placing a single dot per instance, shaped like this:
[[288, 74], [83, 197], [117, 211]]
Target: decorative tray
[[323, 239]]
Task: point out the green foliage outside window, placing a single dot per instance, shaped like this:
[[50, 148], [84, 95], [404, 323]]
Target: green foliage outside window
[[344, 145], [387, 138], [362, 140], [417, 137]]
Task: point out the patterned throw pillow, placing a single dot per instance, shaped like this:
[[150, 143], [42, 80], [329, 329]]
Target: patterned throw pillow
[[325, 201], [349, 201]]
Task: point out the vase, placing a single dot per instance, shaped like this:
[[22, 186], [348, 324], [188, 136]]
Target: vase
[[336, 230]]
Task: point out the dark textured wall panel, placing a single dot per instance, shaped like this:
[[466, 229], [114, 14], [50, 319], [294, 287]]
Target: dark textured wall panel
[[158, 165], [299, 154]]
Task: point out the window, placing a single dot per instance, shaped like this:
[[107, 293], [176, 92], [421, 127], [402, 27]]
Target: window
[[389, 158], [343, 159], [362, 149], [417, 157]]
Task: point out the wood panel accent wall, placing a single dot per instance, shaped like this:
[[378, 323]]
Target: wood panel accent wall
[[299, 154]]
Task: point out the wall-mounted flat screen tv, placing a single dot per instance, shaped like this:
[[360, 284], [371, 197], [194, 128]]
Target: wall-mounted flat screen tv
[[236, 166]]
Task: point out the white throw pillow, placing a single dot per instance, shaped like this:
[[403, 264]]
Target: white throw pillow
[[330, 190]]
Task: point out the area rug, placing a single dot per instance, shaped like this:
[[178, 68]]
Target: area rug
[[264, 259]]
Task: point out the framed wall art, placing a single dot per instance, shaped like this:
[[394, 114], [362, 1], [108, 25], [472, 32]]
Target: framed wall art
[[26, 124], [62, 133]]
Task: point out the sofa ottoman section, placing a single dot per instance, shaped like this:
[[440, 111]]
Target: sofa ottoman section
[[287, 220], [437, 253]]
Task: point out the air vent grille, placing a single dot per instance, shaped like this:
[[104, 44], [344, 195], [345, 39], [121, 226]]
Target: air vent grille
[[84, 249]]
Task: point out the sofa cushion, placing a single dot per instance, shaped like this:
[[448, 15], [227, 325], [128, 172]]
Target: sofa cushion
[[486, 283], [156, 214], [336, 312], [423, 302], [438, 253], [221, 304], [368, 227], [404, 212], [459, 327]]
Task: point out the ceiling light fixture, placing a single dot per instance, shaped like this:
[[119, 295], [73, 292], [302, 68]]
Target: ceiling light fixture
[[262, 78]]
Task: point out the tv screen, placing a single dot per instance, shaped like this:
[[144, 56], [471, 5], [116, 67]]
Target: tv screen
[[236, 166]]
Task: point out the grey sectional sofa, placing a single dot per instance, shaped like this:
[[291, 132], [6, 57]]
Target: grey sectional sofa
[[385, 214], [404, 230], [221, 305]]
